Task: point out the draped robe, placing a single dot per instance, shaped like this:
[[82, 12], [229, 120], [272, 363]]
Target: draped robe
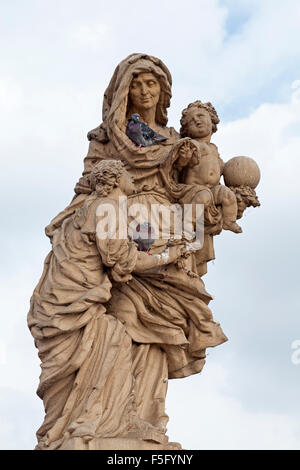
[[109, 338]]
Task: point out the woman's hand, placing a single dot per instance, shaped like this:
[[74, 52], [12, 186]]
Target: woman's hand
[[147, 261]]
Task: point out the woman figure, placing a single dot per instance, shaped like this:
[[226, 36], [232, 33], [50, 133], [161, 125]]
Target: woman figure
[[162, 315], [85, 353]]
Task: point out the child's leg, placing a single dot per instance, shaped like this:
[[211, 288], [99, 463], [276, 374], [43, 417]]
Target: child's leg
[[226, 198], [203, 196]]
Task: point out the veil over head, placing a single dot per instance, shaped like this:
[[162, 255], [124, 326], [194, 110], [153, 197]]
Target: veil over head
[[115, 105]]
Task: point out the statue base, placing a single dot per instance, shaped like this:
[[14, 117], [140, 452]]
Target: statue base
[[116, 443]]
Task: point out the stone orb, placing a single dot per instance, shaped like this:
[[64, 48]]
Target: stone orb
[[241, 171]]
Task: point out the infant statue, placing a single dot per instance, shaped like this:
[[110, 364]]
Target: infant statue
[[201, 164]]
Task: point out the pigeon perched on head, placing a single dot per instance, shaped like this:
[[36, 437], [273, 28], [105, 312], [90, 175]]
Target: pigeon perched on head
[[141, 134], [144, 236]]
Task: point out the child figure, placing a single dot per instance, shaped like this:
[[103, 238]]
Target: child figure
[[202, 163]]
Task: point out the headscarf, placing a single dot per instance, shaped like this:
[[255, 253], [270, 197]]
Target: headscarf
[[115, 105]]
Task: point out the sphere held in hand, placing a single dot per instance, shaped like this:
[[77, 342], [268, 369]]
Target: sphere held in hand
[[241, 171]]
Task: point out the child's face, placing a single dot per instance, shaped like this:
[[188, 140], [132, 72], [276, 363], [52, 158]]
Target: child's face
[[199, 123]]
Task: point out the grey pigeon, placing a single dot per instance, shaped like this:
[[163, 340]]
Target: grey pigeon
[[144, 236], [141, 134]]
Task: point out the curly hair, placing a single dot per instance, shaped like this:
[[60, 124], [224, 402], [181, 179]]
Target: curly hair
[[198, 104], [105, 176]]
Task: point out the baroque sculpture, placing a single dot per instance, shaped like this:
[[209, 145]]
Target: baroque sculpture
[[113, 316]]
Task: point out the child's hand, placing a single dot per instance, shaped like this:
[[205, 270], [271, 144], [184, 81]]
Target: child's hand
[[185, 153]]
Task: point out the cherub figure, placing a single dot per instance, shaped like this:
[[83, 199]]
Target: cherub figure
[[202, 163]]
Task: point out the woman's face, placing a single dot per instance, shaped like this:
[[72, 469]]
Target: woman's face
[[144, 92]]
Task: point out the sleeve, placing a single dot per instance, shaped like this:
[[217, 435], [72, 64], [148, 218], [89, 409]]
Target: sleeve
[[95, 154], [118, 254]]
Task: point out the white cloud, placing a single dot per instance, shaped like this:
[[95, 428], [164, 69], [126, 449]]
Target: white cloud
[[10, 97], [271, 136], [3, 353], [20, 417], [57, 69], [207, 417], [296, 84], [91, 35], [257, 54], [21, 411]]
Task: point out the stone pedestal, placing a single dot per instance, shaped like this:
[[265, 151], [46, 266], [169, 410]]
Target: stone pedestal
[[117, 443]]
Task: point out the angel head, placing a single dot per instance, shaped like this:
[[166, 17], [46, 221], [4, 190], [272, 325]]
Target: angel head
[[110, 174]]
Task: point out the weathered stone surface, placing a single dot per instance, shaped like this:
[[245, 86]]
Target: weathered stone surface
[[113, 323], [241, 171], [117, 443]]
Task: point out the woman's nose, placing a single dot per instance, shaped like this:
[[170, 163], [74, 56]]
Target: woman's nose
[[144, 89]]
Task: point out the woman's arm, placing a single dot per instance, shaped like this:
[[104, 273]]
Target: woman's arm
[[146, 261]]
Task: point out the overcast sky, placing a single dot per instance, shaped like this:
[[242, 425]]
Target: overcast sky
[[242, 55]]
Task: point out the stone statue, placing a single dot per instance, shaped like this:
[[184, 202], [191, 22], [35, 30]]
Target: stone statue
[[113, 323]]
